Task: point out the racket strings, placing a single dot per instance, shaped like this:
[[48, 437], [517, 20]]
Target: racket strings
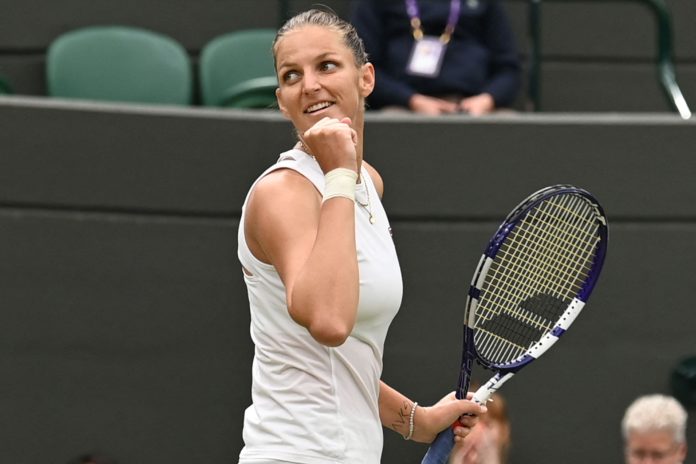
[[549, 261], [534, 318], [570, 237], [534, 276], [543, 269], [575, 242], [542, 272], [556, 261]]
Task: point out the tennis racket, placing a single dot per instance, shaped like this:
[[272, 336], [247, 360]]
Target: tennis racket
[[532, 281]]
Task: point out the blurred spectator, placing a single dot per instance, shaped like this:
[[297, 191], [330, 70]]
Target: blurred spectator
[[489, 440], [439, 56], [654, 430]]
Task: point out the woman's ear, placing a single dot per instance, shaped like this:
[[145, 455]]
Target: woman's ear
[[367, 79], [280, 103]]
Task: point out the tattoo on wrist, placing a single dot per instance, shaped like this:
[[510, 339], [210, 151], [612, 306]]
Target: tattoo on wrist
[[402, 420]]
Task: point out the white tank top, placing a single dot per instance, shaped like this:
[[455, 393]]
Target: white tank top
[[314, 404]]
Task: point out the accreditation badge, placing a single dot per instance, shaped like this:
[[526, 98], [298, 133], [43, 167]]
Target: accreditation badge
[[426, 57]]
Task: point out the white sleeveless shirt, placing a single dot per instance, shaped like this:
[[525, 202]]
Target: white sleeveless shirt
[[314, 404]]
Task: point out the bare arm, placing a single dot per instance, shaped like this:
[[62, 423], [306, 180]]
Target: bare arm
[[395, 412], [311, 243]]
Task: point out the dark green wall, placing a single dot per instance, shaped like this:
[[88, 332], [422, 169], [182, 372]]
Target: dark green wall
[[123, 315], [597, 55]]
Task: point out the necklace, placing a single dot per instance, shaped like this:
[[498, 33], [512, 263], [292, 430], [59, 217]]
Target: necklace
[[366, 206]]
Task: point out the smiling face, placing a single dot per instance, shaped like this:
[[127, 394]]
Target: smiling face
[[318, 77]]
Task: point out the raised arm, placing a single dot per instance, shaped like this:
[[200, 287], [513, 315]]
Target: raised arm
[[310, 243]]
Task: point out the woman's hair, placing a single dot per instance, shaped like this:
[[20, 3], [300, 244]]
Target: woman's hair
[[656, 413], [330, 20]]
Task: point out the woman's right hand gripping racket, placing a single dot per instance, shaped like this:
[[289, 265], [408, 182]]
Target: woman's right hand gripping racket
[[529, 286]]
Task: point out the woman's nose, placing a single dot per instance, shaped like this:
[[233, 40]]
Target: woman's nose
[[310, 82]]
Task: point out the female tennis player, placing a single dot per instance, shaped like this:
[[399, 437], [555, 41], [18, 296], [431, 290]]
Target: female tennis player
[[322, 273]]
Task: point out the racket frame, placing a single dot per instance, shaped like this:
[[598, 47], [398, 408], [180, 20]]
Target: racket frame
[[439, 450], [505, 371]]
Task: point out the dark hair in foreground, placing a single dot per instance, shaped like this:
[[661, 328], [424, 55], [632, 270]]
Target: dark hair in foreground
[[328, 19]]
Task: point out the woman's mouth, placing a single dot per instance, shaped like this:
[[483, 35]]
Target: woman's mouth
[[318, 107]]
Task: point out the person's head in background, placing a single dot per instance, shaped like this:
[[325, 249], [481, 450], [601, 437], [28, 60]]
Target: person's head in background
[[654, 430], [489, 440]]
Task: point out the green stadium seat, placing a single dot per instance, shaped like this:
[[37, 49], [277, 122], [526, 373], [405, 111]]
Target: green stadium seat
[[5, 87], [119, 63], [237, 71]]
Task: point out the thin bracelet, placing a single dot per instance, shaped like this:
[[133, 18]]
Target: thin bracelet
[[410, 421]]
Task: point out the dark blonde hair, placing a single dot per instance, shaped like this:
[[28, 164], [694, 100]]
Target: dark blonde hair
[[327, 19]]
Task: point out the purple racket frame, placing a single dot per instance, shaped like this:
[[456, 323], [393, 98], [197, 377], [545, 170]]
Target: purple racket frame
[[440, 449]]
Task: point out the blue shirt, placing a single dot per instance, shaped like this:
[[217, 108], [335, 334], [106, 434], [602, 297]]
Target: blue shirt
[[481, 56]]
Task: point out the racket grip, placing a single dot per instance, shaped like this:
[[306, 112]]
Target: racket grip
[[441, 448]]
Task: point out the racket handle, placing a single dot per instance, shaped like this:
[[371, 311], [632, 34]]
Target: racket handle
[[441, 448], [484, 393]]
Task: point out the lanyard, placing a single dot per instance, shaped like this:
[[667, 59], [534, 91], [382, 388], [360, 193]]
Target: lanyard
[[414, 14]]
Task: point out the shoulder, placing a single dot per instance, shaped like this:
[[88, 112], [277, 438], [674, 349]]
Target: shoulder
[[283, 205], [281, 186], [376, 178]]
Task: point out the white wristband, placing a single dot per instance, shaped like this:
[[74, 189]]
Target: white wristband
[[340, 182]]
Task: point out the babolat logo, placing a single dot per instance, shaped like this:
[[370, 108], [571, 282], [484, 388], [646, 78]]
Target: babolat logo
[[530, 320]]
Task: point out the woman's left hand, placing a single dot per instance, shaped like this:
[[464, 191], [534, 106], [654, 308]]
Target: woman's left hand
[[429, 421]]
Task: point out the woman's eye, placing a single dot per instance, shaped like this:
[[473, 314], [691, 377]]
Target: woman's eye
[[291, 76], [328, 65]]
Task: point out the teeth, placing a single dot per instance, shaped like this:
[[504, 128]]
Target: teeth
[[318, 107]]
